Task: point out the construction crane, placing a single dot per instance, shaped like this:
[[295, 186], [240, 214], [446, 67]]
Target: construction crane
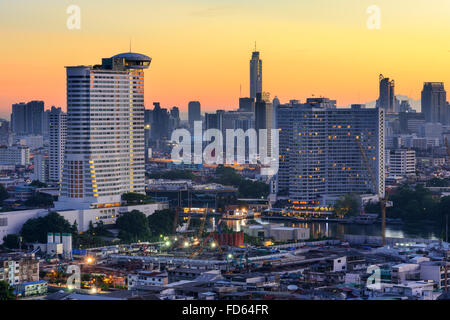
[[383, 198], [202, 224], [200, 250]]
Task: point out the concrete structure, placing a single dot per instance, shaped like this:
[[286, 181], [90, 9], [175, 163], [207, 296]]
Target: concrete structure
[[18, 268], [278, 232], [107, 215], [104, 156], [32, 142], [319, 151], [401, 162], [436, 271], [41, 167], [12, 222], [147, 278], [34, 288], [16, 155], [405, 271], [57, 128]]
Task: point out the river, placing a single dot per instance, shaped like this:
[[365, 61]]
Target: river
[[337, 230]]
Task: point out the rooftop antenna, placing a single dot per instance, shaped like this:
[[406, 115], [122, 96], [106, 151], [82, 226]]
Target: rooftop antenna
[[255, 46], [130, 44]]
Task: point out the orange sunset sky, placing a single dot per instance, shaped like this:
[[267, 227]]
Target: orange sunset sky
[[201, 49]]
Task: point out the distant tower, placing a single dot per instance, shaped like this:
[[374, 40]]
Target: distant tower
[[194, 112], [255, 74], [386, 99], [434, 103]]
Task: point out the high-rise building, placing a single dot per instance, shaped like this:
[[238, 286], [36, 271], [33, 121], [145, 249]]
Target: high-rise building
[[57, 128], [320, 154], [28, 118], [194, 112], [41, 167], [15, 155], [104, 152], [255, 75], [247, 104], [264, 120], [402, 162], [434, 102], [386, 100]]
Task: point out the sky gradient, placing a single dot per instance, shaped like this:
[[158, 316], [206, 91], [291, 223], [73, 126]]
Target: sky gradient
[[201, 49]]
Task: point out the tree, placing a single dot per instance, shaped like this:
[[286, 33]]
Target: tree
[[41, 200], [437, 182], [133, 198], [6, 291], [11, 241], [133, 226], [3, 193], [175, 174], [247, 188], [161, 222], [347, 205], [36, 229], [38, 184]]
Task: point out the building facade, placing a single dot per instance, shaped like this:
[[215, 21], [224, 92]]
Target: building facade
[[320, 150]]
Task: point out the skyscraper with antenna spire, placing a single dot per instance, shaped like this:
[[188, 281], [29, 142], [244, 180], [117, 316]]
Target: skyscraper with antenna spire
[[255, 74]]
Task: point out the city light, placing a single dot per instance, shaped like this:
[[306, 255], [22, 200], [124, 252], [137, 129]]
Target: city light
[[186, 244], [89, 260]]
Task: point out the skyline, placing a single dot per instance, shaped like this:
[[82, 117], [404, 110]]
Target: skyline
[[337, 56]]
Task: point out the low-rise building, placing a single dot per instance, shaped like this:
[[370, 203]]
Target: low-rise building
[[147, 278], [18, 268]]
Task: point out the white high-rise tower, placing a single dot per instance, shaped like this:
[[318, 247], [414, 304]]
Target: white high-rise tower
[[57, 128], [104, 153]]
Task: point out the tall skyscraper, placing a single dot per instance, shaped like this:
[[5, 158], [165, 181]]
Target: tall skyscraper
[[28, 118], [434, 102], [104, 153], [194, 112], [57, 128], [160, 123], [264, 120], [255, 75], [319, 152], [386, 100]]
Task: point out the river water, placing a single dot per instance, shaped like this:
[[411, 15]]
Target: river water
[[337, 230]]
